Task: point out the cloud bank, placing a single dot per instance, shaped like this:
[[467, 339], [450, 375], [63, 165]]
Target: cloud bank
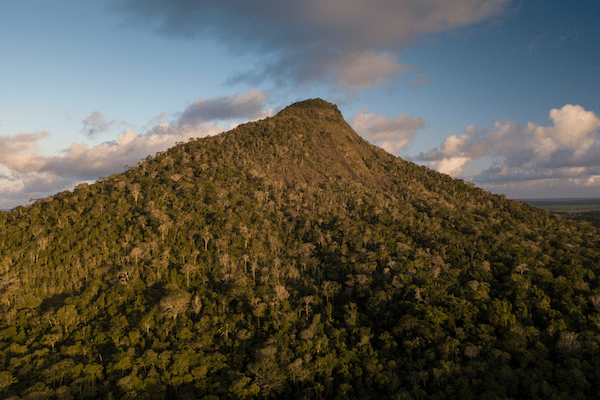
[[566, 152], [392, 135], [18, 152], [353, 45]]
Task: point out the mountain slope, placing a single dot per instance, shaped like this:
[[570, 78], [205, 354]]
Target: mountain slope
[[289, 258]]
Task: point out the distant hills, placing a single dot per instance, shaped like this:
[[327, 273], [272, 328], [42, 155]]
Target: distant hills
[[289, 258]]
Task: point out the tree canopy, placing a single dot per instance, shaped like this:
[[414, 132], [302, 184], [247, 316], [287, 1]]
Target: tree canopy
[[288, 258]]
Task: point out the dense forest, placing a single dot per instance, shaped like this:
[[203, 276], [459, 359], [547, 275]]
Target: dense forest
[[288, 258], [591, 216]]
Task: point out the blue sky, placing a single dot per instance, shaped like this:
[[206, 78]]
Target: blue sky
[[501, 93]]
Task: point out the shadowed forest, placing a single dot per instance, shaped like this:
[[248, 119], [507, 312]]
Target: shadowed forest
[[288, 258]]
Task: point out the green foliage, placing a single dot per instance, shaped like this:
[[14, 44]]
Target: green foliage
[[288, 258]]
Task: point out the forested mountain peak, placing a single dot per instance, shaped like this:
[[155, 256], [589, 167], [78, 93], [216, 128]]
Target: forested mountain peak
[[311, 105], [289, 258], [309, 142]]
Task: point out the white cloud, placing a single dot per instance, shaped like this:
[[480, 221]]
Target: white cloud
[[567, 151], [390, 134], [452, 166], [573, 127], [19, 152]]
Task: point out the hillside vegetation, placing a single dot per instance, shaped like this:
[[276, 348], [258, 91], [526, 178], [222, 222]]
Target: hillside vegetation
[[592, 216], [288, 258]]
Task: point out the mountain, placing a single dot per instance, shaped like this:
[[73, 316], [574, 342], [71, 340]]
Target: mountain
[[289, 258]]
